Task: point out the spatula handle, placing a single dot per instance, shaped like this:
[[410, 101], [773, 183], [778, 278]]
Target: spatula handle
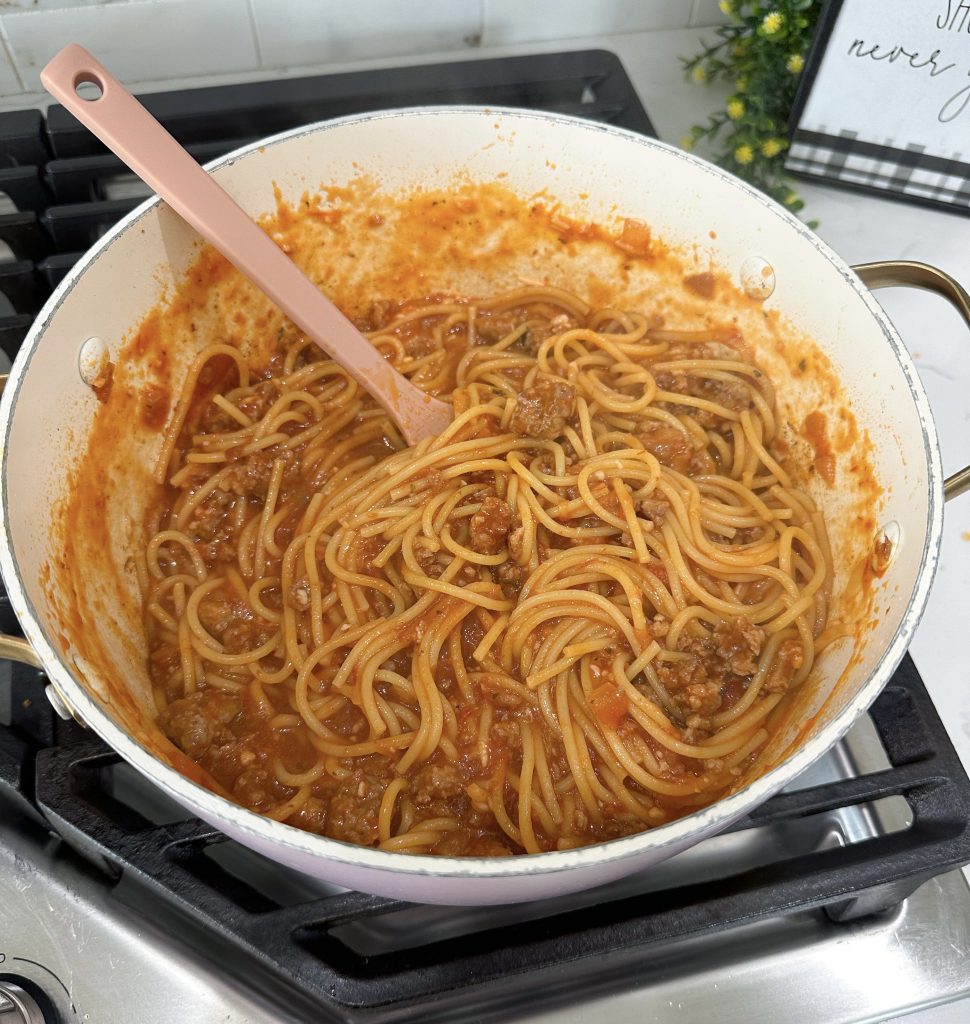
[[130, 131]]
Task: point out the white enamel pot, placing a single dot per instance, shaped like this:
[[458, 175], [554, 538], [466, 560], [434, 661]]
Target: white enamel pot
[[598, 173]]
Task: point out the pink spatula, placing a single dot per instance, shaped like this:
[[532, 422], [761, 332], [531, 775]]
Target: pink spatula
[[132, 134]]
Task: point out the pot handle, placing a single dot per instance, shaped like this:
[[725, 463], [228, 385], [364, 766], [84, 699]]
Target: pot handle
[[909, 273]]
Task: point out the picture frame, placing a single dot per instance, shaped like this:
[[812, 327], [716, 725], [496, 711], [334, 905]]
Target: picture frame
[[884, 102]]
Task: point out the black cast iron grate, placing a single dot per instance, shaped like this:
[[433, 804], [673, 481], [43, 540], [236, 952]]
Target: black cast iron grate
[[301, 942], [63, 182]]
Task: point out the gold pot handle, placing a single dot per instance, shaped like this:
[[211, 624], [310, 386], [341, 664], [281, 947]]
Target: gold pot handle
[[910, 274], [14, 648]]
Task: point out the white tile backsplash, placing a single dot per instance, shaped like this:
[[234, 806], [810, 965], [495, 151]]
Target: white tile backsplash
[[9, 79], [138, 41], [295, 32], [156, 41], [522, 21], [34, 5], [707, 12]]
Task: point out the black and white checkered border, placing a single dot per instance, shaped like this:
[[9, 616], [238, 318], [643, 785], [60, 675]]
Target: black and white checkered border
[[910, 172]]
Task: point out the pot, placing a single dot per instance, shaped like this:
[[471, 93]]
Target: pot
[[83, 621]]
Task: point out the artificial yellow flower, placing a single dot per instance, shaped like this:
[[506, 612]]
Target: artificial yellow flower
[[772, 147], [744, 154], [727, 6], [699, 74], [795, 63], [791, 199], [687, 142], [734, 108], [772, 23]]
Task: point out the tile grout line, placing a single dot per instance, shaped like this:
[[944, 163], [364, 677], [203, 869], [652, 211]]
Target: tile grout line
[[482, 22], [251, 8], [9, 53]]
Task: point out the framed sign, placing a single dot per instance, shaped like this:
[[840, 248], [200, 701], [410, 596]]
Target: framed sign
[[885, 101]]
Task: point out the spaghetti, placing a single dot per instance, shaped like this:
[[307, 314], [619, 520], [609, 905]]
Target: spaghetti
[[568, 618]]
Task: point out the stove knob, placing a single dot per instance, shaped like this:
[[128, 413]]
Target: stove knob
[[18, 1006]]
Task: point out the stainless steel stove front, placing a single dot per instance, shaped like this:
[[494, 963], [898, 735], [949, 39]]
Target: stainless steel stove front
[[110, 957]]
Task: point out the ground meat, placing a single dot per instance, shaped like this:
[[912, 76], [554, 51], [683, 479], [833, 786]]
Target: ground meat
[[788, 660], [469, 718], [217, 612], [353, 808], [653, 508], [496, 693], [493, 327], [428, 560], [468, 843], [260, 398], [674, 381], [542, 410], [258, 788], [436, 782], [701, 463], [163, 663], [419, 345], [659, 627], [698, 728], [247, 633], [312, 816], [298, 597], [533, 338], [669, 446], [732, 394], [215, 420], [200, 721], [233, 623], [510, 577], [516, 541], [211, 529], [739, 643], [490, 526], [379, 315], [678, 675], [702, 698], [251, 475]]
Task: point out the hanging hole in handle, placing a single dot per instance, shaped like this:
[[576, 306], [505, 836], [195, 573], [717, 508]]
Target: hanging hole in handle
[[88, 86]]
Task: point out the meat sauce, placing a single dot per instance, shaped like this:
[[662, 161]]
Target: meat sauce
[[227, 733]]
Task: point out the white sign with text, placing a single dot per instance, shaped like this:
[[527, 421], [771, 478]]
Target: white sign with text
[[889, 100]]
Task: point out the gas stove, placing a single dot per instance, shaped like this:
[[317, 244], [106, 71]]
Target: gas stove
[[836, 901], [117, 907]]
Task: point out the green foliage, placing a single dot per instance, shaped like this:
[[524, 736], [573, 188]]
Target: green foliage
[[762, 52]]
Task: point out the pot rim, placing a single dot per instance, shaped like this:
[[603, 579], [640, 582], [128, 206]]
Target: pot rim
[[677, 833]]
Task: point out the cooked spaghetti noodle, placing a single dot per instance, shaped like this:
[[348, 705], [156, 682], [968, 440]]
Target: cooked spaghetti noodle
[[568, 618]]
